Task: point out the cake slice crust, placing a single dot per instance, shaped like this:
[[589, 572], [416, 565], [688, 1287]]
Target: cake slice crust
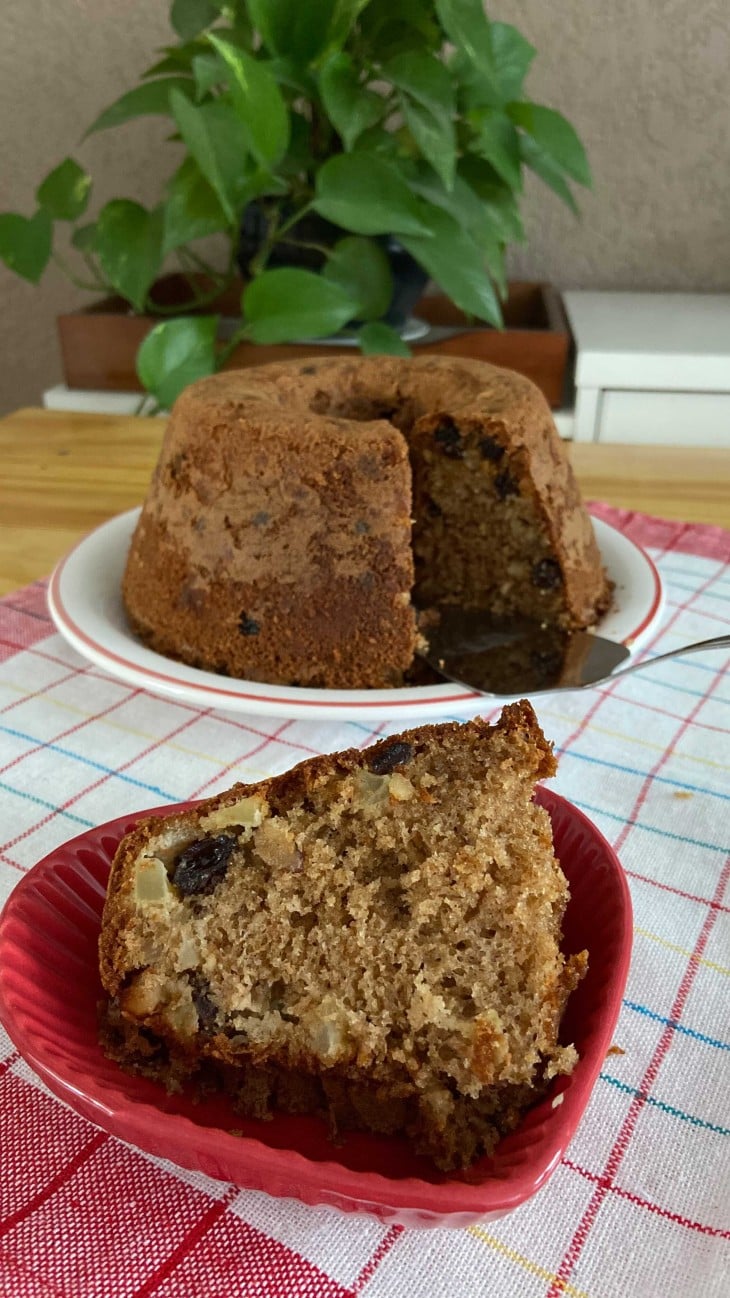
[[374, 935]]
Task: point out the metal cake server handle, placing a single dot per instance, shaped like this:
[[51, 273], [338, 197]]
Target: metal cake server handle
[[526, 658]]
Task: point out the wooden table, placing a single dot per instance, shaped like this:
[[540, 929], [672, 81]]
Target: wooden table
[[63, 474]]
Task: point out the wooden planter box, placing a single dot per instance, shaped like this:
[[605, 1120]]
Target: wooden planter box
[[99, 344]]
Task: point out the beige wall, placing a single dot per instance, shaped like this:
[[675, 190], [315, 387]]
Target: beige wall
[[645, 82]]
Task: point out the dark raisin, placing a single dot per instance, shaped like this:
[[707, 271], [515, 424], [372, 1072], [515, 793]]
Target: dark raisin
[[260, 519], [206, 1009], [490, 450], [361, 527], [449, 439], [203, 864], [546, 574], [308, 369], [505, 485], [386, 760], [432, 509], [248, 626]]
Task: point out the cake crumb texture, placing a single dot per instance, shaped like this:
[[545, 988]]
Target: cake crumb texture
[[373, 936]]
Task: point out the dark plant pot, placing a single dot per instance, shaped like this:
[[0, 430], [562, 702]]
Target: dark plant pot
[[409, 279]]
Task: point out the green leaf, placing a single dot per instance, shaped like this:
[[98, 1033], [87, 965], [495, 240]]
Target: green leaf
[[498, 141], [366, 194], [25, 243], [362, 269], [428, 104], [208, 71], [555, 137], [498, 201], [424, 78], [285, 305], [344, 17], [259, 102], [129, 246], [467, 26], [65, 191], [218, 141], [178, 59], [350, 107], [457, 264], [392, 29], [378, 338], [191, 209], [471, 212], [298, 29], [176, 353], [512, 58], [544, 167], [84, 237], [152, 97], [189, 17]]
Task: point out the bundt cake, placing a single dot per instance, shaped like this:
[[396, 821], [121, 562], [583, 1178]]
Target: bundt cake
[[299, 512], [373, 936]]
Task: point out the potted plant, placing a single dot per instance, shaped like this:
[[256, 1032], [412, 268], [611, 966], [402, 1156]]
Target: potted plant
[[340, 147]]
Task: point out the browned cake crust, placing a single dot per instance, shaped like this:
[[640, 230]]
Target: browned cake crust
[[374, 936], [277, 542]]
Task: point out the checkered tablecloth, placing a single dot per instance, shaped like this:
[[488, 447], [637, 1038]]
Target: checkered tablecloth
[[641, 1203]]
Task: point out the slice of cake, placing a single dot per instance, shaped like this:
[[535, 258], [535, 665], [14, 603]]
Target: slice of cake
[[373, 935]]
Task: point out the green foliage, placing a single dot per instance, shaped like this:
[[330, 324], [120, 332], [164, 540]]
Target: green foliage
[[376, 337], [64, 194], [287, 304], [25, 243], [151, 98], [361, 268], [406, 119], [176, 353], [128, 241]]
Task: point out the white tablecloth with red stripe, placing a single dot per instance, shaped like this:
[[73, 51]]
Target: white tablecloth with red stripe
[[641, 1203]]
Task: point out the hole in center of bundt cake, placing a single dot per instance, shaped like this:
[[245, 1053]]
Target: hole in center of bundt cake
[[363, 408]]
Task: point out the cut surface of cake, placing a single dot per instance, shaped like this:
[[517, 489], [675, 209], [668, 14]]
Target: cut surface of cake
[[300, 512], [373, 936]]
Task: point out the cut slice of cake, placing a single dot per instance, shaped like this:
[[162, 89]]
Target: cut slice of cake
[[373, 935]]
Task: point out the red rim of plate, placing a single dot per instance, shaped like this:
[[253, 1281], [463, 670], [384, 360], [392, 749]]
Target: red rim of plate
[[62, 615]]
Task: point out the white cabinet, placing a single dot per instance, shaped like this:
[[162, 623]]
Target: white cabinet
[[651, 367]]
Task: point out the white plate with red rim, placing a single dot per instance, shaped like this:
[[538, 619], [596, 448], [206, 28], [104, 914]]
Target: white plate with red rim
[[84, 598]]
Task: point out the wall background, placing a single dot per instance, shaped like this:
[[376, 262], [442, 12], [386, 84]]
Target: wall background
[[644, 81]]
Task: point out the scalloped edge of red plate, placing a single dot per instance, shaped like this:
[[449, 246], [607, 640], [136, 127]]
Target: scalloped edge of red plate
[[48, 944]]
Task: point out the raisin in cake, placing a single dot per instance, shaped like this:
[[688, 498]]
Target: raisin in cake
[[299, 511], [373, 936]]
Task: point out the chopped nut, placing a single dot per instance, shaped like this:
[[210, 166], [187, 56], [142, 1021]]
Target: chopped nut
[[151, 884], [189, 954], [371, 791], [274, 843], [400, 788], [247, 812], [328, 1039], [182, 1018]]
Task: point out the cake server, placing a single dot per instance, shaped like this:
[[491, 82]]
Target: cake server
[[521, 657]]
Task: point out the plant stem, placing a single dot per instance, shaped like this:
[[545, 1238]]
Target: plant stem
[[239, 336], [187, 254], [274, 235], [307, 243], [97, 287]]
